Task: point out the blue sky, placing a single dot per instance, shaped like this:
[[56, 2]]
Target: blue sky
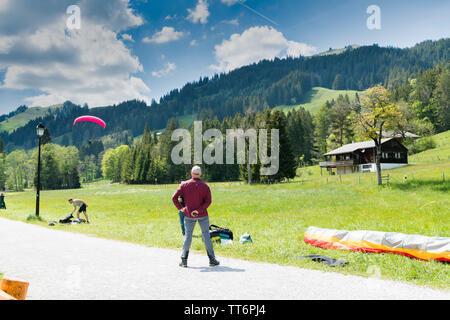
[[144, 48]]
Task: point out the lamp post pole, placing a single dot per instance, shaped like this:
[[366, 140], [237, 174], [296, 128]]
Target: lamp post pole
[[249, 174], [40, 132]]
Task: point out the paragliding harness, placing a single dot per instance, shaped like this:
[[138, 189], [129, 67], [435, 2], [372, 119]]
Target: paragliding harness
[[68, 220], [219, 233]]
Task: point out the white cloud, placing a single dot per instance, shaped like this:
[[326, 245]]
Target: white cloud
[[163, 72], [230, 2], [234, 22], [169, 17], [296, 49], [90, 65], [127, 37], [3, 4], [256, 44], [200, 13], [24, 16], [193, 43], [167, 34], [6, 43]]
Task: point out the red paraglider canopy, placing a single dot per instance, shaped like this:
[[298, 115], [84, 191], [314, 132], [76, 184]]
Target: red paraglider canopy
[[90, 119]]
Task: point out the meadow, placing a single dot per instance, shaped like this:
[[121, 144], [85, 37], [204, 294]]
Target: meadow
[[438, 154], [21, 119], [276, 216], [317, 97]]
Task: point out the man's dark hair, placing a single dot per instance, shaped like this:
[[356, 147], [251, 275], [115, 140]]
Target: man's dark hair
[[70, 199]]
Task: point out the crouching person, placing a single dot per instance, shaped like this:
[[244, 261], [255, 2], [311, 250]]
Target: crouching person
[[82, 208]]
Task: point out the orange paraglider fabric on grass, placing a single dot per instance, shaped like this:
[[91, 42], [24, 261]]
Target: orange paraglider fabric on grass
[[414, 246]]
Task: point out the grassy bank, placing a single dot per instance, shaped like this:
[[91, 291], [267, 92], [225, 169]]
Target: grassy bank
[[317, 97], [276, 216], [438, 154]]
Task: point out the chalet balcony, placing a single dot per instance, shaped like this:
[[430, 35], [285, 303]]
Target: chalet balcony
[[335, 164]]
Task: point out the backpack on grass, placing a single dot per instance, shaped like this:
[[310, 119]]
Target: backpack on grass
[[218, 233], [67, 219]]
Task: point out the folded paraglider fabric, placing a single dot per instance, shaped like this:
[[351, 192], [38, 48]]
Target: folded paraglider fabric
[[415, 246]]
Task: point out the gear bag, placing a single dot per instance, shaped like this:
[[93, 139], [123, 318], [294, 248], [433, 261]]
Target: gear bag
[[218, 233]]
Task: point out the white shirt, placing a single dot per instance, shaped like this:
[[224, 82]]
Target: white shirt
[[77, 202]]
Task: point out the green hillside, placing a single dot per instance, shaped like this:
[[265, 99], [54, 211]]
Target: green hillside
[[186, 120], [440, 153], [23, 118], [317, 97], [284, 83]]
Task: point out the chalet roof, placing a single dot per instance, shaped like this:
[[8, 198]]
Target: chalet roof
[[348, 148], [392, 134]]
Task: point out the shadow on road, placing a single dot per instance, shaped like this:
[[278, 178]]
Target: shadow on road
[[217, 269]]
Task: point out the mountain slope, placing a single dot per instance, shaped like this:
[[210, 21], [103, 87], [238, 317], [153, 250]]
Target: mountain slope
[[440, 153], [267, 84], [21, 119], [317, 97]]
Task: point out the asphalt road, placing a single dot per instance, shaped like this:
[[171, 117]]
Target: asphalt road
[[64, 265]]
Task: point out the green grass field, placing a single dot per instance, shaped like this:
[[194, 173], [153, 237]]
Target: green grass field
[[275, 215], [438, 154], [317, 97], [23, 118]]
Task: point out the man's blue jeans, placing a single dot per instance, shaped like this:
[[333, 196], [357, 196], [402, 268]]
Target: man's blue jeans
[[204, 226]]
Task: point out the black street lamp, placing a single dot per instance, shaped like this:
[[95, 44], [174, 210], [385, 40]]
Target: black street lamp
[[40, 129]]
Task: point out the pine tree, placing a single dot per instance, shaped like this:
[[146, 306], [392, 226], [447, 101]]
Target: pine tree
[[287, 166], [50, 172], [147, 137], [46, 138], [128, 166], [3, 166], [322, 123], [340, 124]]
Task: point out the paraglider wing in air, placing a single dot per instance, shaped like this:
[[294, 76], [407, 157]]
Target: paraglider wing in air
[[93, 119]]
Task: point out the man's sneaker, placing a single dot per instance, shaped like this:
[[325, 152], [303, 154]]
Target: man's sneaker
[[213, 262], [184, 259], [183, 263]]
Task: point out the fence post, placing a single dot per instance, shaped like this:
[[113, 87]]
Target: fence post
[[443, 176]]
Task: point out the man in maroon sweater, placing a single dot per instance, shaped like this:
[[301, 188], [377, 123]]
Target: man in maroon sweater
[[197, 198]]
